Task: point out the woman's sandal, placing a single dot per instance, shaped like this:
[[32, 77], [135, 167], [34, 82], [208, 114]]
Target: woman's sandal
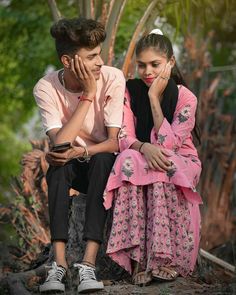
[[141, 278], [171, 272]]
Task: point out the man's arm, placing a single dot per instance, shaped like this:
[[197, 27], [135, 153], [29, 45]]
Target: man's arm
[[69, 131], [110, 145], [86, 79]]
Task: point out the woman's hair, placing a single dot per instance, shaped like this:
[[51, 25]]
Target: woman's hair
[[72, 34], [162, 45]]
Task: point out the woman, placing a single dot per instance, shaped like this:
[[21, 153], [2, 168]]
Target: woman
[[156, 220]]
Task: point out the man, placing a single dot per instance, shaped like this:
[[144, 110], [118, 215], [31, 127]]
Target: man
[[81, 108]]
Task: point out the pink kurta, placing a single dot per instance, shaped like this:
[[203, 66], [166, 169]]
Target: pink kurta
[[156, 214]]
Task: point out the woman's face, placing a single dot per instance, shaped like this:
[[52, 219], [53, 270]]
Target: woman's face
[[150, 63]]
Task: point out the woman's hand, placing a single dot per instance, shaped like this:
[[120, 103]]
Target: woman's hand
[[60, 159], [84, 76], [156, 157], [159, 84]]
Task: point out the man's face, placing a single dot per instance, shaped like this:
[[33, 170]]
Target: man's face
[[93, 60]]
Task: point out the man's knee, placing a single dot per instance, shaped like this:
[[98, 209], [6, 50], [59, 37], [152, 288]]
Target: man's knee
[[103, 158], [58, 172]]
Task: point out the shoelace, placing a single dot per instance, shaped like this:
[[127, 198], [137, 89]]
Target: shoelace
[[85, 272], [56, 273]]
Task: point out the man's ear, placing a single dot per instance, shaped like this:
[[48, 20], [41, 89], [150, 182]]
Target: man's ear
[[66, 61]]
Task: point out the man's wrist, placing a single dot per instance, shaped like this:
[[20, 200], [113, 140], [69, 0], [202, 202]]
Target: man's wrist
[[88, 95], [84, 156]]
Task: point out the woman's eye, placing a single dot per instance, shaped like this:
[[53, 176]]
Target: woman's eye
[[141, 66], [155, 65]]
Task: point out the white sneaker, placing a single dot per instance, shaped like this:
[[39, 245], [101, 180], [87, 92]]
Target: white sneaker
[[87, 279], [54, 280]]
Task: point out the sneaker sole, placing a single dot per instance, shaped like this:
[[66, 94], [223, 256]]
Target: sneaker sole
[[51, 287], [86, 288]]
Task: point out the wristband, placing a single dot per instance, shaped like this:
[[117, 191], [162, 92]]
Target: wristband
[[141, 147]]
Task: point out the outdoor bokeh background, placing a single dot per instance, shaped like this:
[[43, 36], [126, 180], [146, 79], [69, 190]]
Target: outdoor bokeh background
[[203, 33]]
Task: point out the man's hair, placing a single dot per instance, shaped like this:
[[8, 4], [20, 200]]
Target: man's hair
[[73, 34]]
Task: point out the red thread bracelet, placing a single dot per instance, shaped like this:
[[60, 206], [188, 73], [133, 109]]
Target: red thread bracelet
[[82, 98]]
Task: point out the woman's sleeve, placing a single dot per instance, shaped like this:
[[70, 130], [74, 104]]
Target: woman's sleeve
[[172, 136], [127, 134]]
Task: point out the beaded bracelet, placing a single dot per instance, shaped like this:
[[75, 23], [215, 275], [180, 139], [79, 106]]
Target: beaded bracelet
[[141, 147]]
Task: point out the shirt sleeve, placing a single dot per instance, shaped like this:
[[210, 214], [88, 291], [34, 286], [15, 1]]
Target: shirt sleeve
[[114, 101], [48, 109], [127, 134], [172, 136]]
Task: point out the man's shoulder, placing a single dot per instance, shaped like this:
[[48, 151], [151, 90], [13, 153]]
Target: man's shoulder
[[46, 81], [112, 73]]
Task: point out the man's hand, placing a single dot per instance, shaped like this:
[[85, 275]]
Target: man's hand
[[60, 159], [84, 76], [156, 157]]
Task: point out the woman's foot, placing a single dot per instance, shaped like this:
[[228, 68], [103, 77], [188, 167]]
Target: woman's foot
[[140, 277], [164, 273]]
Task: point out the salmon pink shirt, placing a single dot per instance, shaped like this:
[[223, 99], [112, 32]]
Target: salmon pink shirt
[[56, 105]]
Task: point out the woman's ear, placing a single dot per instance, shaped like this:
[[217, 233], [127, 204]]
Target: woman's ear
[[172, 61], [66, 61]]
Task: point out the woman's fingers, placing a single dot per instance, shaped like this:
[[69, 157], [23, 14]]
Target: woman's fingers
[[164, 159], [166, 153], [155, 166], [165, 72], [162, 164]]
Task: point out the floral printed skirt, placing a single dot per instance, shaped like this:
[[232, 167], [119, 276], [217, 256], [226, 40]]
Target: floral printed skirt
[[154, 225]]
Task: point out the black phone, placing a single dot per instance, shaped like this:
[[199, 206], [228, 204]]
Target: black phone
[[61, 147]]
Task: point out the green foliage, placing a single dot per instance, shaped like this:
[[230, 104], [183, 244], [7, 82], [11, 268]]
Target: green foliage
[[26, 50], [11, 150], [132, 13]]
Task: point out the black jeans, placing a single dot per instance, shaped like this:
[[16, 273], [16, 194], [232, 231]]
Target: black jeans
[[89, 178]]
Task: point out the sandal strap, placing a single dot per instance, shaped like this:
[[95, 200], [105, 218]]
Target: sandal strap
[[147, 275], [170, 271]]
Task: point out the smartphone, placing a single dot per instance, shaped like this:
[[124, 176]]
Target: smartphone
[[61, 147]]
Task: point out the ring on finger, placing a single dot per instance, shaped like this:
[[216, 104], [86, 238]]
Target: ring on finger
[[165, 78]]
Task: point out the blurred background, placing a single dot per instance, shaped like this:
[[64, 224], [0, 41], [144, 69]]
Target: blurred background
[[203, 34]]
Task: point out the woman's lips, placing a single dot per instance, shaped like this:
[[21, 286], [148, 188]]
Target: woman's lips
[[149, 80]]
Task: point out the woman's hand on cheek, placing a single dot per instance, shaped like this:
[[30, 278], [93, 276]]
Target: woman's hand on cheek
[[159, 84]]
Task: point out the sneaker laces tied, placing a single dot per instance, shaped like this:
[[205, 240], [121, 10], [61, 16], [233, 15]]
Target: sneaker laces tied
[[56, 273], [85, 272]]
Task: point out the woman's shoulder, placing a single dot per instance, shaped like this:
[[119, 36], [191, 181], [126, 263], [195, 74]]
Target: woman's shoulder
[[186, 95]]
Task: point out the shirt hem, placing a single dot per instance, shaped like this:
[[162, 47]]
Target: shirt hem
[[52, 127]]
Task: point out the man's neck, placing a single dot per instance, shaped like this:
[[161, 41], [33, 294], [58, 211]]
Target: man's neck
[[70, 82]]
